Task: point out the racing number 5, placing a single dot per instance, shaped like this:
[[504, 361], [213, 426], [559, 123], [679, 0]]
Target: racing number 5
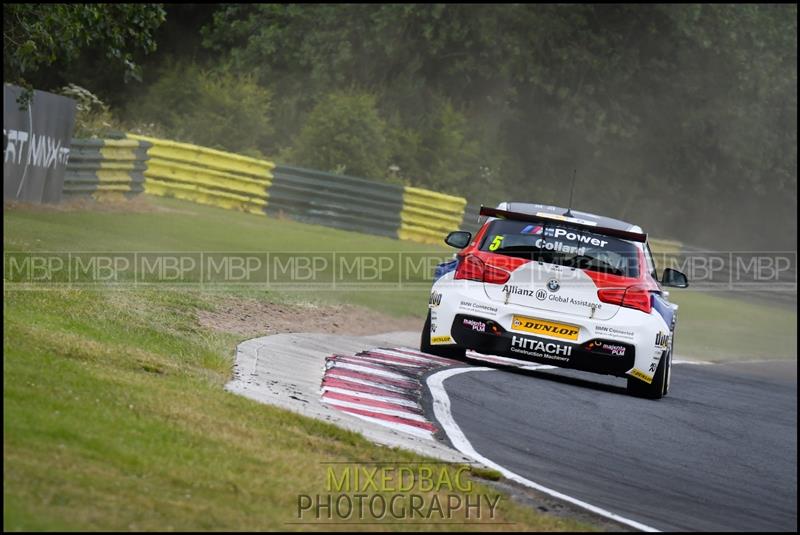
[[495, 243]]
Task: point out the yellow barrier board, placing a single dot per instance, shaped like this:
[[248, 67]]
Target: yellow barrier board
[[206, 176], [205, 157], [428, 216]]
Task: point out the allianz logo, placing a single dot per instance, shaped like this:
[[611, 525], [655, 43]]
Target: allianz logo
[[516, 290]]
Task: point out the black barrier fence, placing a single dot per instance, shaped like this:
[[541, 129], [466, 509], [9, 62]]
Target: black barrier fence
[[36, 145], [106, 166], [339, 201]]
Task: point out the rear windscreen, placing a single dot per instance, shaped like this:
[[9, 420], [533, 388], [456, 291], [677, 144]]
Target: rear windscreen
[[565, 246]]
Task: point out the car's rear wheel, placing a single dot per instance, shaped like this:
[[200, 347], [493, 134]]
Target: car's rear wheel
[[659, 387], [450, 352]]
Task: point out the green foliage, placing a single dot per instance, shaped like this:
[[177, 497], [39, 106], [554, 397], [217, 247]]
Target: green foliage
[[213, 108], [664, 110], [344, 134], [92, 116], [442, 153], [36, 36]]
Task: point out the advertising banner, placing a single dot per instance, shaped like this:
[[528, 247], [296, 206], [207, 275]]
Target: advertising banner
[[36, 141]]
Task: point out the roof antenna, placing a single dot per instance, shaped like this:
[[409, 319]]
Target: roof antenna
[[568, 213]]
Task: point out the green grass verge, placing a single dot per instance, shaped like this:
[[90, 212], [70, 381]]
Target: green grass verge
[[725, 328], [115, 418]]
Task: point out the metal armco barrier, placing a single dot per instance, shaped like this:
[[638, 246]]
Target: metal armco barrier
[[99, 166], [339, 201], [428, 216], [206, 176], [231, 181]]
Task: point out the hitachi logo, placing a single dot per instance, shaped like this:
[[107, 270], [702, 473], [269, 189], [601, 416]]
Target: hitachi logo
[[544, 347]]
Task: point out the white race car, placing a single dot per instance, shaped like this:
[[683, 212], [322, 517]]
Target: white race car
[[555, 286]]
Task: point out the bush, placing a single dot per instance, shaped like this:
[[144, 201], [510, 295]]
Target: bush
[[345, 134], [448, 151], [212, 108], [93, 118], [440, 153]]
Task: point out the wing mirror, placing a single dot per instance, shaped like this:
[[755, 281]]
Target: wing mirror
[[674, 278], [458, 239]]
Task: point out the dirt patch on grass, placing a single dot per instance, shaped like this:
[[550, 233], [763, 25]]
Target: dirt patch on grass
[[250, 317]]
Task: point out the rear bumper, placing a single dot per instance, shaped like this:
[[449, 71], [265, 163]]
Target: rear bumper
[[597, 355]]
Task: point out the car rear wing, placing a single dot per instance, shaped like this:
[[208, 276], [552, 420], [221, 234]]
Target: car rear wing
[[578, 223]]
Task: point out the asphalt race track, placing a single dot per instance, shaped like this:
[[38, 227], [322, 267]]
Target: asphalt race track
[[718, 453]]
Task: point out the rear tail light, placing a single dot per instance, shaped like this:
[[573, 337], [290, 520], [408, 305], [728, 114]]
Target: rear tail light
[[474, 269], [470, 268], [637, 297]]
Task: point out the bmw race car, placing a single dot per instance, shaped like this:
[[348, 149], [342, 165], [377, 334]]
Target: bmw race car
[[560, 287]]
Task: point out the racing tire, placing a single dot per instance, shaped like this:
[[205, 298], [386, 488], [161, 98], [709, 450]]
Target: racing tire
[[660, 385], [450, 352]]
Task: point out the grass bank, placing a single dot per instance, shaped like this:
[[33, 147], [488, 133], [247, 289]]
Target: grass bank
[[115, 418]]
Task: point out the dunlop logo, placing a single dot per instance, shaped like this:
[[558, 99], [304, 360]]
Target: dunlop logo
[[550, 328], [641, 375]]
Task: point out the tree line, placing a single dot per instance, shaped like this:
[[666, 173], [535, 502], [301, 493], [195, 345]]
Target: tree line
[[680, 117]]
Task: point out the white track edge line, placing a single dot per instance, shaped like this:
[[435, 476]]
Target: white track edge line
[[441, 409]]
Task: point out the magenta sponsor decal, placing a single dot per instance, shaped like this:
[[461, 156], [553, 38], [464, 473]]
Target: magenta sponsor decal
[[475, 325], [615, 350]]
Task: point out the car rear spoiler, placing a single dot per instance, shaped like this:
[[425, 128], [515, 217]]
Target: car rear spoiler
[[563, 220]]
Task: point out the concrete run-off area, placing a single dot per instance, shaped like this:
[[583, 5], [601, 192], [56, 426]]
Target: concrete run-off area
[[287, 370]]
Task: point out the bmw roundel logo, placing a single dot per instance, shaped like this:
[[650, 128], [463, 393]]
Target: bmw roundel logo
[[553, 285]]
